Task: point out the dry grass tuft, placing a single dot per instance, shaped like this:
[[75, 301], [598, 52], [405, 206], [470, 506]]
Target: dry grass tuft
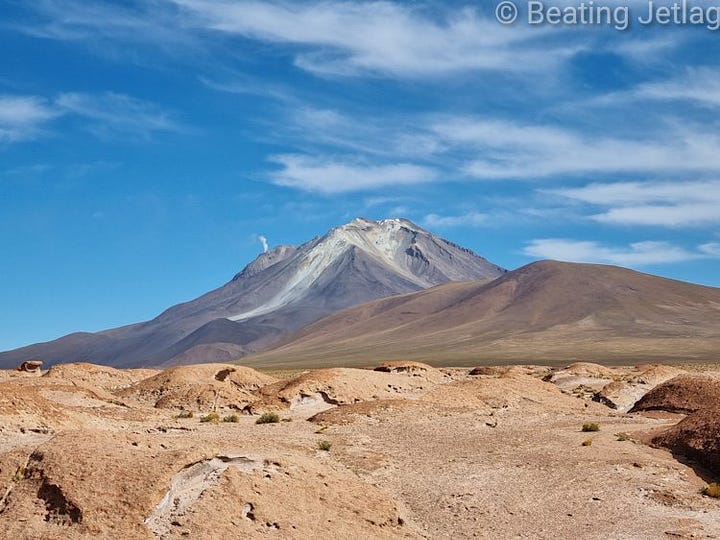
[[325, 446], [268, 418], [212, 418]]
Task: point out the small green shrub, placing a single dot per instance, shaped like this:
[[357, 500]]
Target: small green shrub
[[19, 474], [587, 442], [325, 446], [590, 426], [622, 437], [212, 417], [268, 418], [184, 414], [231, 418], [713, 490]]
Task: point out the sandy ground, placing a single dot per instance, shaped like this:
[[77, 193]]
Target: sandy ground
[[527, 476], [424, 454]]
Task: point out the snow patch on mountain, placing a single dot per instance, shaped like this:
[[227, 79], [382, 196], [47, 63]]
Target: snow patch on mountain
[[384, 240]]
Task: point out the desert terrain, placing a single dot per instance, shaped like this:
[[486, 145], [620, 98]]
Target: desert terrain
[[403, 450]]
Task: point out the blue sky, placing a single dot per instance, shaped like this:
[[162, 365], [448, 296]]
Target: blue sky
[[146, 146]]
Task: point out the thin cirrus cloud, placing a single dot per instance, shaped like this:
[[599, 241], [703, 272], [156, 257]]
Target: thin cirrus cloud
[[388, 137], [330, 37], [469, 219], [491, 149], [118, 113], [107, 22], [634, 254], [711, 249], [24, 117], [488, 149], [388, 38], [700, 85], [670, 204], [512, 150], [28, 117], [334, 176]]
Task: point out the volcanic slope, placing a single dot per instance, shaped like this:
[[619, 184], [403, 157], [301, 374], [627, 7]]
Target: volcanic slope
[[547, 311], [278, 293]]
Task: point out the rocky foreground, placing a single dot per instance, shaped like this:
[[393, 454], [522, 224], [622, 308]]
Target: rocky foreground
[[401, 451]]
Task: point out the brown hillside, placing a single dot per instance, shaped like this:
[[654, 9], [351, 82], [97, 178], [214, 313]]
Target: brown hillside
[[546, 311]]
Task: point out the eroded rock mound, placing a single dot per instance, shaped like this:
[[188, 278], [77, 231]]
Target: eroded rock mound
[[88, 483], [587, 369], [414, 369], [620, 395], [654, 374], [383, 408], [104, 484], [104, 377], [41, 404], [200, 387], [682, 394], [290, 497], [31, 366], [402, 366], [337, 386], [697, 437], [582, 376], [507, 391], [489, 371], [628, 388]]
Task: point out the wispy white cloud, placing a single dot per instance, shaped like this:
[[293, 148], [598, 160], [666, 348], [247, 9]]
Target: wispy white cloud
[[23, 117], [680, 215], [392, 206], [644, 49], [381, 200], [672, 204], [472, 148], [117, 113], [635, 254], [469, 219], [699, 85], [492, 149], [630, 193], [110, 22], [399, 211], [27, 117], [350, 38], [388, 137], [526, 151], [245, 85], [338, 37], [332, 176], [27, 170], [711, 248]]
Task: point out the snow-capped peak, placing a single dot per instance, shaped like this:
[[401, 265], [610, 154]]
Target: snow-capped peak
[[389, 224], [397, 246]]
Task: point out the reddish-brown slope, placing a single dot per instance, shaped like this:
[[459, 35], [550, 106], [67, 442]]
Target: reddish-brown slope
[[544, 311]]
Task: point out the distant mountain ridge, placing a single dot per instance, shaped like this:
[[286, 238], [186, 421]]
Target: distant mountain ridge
[[547, 311], [277, 293]]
